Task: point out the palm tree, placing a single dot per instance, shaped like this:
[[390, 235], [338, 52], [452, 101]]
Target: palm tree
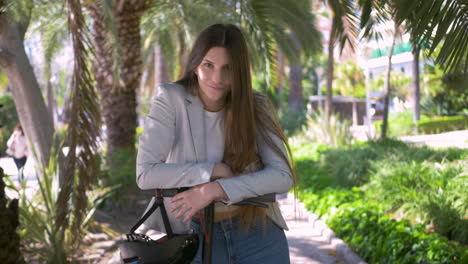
[[435, 22], [279, 88], [81, 167], [32, 111], [387, 87], [296, 94], [268, 26], [375, 14], [78, 169], [118, 95], [431, 22], [416, 88], [416, 50], [343, 29]]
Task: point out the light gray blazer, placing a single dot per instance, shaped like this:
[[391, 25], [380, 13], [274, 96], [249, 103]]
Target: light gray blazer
[[172, 153]]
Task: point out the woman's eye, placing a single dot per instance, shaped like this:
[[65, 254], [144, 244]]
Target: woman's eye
[[208, 65]]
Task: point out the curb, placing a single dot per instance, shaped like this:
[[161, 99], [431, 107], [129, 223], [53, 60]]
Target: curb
[[342, 248]]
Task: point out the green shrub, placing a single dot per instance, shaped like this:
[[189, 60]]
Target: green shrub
[[397, 180], [374, 235], [304, 149], [379, 239], [8, 120], [349, 167], [401, 151], [311, 174], [443, 124], [333, 132], [41, 236], [120, 178], [321, 165], [450, 98], [326, 202], [432, 107], [424, 192], [291, 121], [404, 127], [396, 128]]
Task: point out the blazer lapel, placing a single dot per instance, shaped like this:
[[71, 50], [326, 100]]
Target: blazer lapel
[[197, 126]]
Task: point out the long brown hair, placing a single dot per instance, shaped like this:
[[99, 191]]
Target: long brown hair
[[247, 114]]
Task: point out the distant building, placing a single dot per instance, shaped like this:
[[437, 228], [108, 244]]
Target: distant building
[[373, 54], [402, 61]]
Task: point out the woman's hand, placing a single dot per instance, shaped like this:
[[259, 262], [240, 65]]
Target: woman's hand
[[221, 170], [190, 202]]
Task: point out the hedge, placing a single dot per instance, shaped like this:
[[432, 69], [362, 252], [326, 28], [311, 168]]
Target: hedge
[[434, 125]]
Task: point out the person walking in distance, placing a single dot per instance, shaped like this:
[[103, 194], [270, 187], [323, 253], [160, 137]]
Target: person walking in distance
[[17, 148]]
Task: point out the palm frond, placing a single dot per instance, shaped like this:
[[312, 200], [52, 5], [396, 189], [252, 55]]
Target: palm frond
[[439, 22], [256, 22], [297, 19], [266, 24], [112, 37], [165, 21], [345, 21], [18, 10], [50, 22], [373, 14], [81, 164]]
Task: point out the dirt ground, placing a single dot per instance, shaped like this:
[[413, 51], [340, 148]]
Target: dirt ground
[[118, 217]]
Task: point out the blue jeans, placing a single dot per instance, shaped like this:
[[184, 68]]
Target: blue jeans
[[260, 244]]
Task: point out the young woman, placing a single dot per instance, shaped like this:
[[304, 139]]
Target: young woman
[[17, 148], [211, 132]]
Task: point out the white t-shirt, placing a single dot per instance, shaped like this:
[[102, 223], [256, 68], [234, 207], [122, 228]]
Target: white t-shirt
[[214, 135], [17, 145], [214, 138]]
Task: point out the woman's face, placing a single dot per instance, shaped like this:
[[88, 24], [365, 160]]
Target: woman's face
[[214, 78]]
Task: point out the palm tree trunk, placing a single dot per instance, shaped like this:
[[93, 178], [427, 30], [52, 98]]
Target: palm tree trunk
[[280, 87], [331, 61], [30, 105], [387, 87], [416, 88], [296, 95], [119, 97], [51, 103]]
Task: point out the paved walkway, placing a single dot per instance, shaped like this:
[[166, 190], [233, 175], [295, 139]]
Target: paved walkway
[[458, 139], [310, 240], [29, 174]]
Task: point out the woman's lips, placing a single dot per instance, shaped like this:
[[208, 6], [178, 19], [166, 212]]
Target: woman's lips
[[217, 88]]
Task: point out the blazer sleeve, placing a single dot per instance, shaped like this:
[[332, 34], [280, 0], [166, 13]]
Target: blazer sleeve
[[276, 177], [155, 144]]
